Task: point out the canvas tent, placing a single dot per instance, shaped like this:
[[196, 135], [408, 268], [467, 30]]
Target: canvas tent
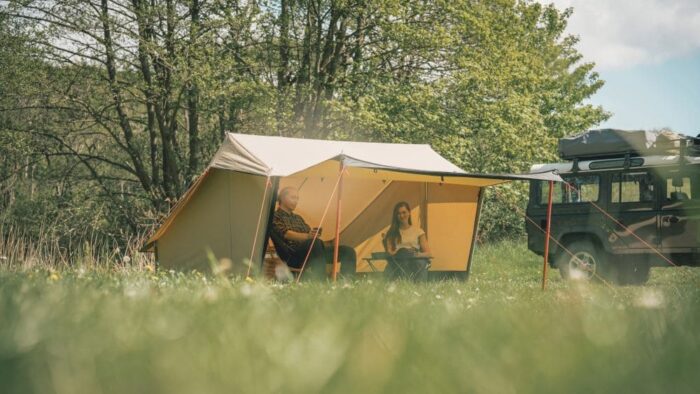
[[227, 211]]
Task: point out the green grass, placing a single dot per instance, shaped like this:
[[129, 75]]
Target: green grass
[[129, 331]]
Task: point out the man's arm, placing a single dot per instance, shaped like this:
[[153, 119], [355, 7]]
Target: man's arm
[[283, 228], [297, 236]]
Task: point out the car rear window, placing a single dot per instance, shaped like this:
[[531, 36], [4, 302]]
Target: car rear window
[[688, 190]]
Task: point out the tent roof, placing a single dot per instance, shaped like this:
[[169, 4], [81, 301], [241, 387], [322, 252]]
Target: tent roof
[[281, 156]]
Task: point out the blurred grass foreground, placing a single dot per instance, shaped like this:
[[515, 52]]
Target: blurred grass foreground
[[92, 330]]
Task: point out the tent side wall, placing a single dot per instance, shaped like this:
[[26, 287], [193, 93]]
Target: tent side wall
[[220, 221], [452, 215]]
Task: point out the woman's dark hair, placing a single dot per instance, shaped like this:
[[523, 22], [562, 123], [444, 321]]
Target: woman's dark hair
[[393, 236]]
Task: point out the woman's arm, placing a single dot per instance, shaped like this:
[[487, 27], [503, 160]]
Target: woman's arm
[[390, 246], [424, 247]]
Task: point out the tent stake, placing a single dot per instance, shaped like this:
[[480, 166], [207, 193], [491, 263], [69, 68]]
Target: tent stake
[[547, 235], [336, 241]]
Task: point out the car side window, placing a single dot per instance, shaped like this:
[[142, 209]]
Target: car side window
[[681, 192], [583, 189], [682, 188], [631, 188]]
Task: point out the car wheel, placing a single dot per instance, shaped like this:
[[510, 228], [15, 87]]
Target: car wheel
[[584, 262]]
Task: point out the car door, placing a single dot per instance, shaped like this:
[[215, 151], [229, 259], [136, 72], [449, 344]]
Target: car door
[[680, 211], [634, 198]]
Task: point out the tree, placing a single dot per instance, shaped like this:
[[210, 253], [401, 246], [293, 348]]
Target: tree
[[133, 96]]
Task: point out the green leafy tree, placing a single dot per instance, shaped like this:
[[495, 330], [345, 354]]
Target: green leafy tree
[[116, 105]]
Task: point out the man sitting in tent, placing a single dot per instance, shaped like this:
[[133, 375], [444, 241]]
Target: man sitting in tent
[[293, 238]]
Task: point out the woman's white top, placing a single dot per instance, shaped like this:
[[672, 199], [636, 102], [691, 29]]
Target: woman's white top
[[409, 238]]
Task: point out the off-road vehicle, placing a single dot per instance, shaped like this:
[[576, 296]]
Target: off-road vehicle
[[631, 201]]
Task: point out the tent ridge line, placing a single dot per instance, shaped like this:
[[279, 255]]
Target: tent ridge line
[[279, 137]]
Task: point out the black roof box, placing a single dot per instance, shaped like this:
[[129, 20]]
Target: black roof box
[[594, 144]]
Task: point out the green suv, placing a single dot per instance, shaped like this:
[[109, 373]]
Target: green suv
[[617, 216]]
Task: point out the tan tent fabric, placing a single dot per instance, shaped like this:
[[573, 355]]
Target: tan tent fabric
[[216, 219], [220, 220], [451, 213]]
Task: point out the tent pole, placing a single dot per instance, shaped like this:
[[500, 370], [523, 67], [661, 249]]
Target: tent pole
[[547, 235], [475, 230], [336, 242], [270, 217]]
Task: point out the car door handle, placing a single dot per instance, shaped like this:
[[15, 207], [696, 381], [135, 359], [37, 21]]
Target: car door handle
[[670, 219]]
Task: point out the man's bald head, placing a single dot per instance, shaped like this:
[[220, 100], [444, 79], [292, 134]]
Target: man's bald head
[[288, 198]]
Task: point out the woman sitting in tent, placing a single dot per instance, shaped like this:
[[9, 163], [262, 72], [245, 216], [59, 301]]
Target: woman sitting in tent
[[407, 245]]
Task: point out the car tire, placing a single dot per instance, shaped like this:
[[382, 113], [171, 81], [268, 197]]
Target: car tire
[[584, 262]]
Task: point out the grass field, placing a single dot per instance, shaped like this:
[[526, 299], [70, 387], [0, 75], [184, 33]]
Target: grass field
[[85, 330]]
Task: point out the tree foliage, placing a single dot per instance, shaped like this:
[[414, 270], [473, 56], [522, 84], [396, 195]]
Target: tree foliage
[[110, 108]]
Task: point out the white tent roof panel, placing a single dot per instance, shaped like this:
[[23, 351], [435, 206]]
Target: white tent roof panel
[[280, 156]]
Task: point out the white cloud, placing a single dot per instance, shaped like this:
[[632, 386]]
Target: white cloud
[[619, 34]]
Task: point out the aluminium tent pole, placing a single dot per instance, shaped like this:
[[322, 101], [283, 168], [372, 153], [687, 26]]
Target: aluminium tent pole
[[547, 235], [336, 242]]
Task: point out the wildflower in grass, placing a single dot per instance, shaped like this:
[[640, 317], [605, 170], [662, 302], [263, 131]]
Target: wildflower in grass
[[210, 294], [54, 275], [224, 266], [282, 273], [246, 290], [150, 268], [249, 279], [651, 299]]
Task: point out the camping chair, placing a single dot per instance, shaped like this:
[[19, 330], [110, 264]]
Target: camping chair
[[274, 268], [281, 251]]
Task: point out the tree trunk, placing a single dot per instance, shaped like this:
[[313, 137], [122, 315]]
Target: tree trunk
[[283, 68], [124, 122], [193, 96]]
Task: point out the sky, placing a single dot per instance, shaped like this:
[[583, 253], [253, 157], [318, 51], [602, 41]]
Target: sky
[[648, 54]]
